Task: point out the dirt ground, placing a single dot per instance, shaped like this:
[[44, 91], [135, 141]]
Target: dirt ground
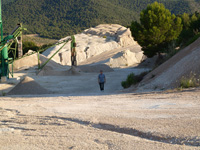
[[76, 115], [82, 117], [120, 121]]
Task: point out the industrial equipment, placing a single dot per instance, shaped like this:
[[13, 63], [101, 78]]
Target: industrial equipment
[[16, 37], [73, 51], [5, 48]]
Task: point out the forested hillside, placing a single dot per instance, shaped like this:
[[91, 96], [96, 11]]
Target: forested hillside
[[7, 1], [59, 18], [175, 6]]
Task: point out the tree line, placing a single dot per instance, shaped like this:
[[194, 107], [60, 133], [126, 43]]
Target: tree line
[[158, 28], [60, 18]]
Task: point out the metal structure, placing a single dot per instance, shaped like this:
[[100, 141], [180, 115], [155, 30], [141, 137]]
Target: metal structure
[[3, 52], [5, 48], [16, 37], [73, 51], [64, 42]]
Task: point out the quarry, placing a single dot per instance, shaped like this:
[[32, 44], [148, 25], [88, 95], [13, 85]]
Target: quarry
[[52, 104]]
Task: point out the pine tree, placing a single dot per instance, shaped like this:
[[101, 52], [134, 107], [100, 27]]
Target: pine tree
[[157, 28]]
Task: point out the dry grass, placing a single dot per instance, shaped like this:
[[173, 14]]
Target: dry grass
[[191, 81], [39, 41]]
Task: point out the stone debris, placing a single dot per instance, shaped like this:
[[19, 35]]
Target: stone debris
[[169, 74], [93, 42], [28, 87]]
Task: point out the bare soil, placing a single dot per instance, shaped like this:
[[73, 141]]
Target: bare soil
[[79, 116], [123, 121]]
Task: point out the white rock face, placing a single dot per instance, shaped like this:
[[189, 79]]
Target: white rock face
[[121, 34], [92, 42], [125, 59]]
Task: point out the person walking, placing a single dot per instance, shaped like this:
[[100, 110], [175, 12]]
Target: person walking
[[101, 80]]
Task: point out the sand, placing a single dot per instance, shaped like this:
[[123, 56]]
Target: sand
[[28, 87], [168, 75], [124, 122], [93, 42], [31, 61]]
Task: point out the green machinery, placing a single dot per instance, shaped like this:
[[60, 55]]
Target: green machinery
[[5, 48], [64, 42], [16, 37], [73, 51]]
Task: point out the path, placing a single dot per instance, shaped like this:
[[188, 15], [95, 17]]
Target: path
[[123, 122], [86, 83]]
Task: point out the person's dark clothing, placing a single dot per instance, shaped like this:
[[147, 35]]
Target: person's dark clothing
[[102, 80], [101, 86]]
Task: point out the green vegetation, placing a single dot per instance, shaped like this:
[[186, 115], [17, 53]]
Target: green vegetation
[[29, 45], [39, 41], [175, 6], [3, 93], [132, 79], [7, 1], [157, 29], [129, 81], [60, 18], [191, 28], [191, 81], [56, 19]]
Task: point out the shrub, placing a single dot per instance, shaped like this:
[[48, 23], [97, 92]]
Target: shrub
[[29, 45], [194, 38], [3, 93], [133, 79], [104, 36], [191, 81], [129, 81], [44, 47]]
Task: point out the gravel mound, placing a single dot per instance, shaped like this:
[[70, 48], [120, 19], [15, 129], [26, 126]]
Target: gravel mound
[[95, 68], [93, 42], [49, 71], [169, 74], [25, 62], [28, 87], [121, 34], [32, 61], [125, 58]]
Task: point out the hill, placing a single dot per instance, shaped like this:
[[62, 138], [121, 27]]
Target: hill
[[183, 65], [7, 1], [175, 6], [58, 18]]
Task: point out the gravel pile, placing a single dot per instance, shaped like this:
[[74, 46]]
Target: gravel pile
[[28, 87], [169, 74]]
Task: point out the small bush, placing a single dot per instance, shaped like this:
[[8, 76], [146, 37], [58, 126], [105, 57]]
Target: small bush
[[129, 81], [44, 47], [191, 40], [133, 79], [29, 45], [191, 81], [3, 93], [104, 36], [171, 51]]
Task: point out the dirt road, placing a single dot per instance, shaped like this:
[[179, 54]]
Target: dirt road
[[126, 122]]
